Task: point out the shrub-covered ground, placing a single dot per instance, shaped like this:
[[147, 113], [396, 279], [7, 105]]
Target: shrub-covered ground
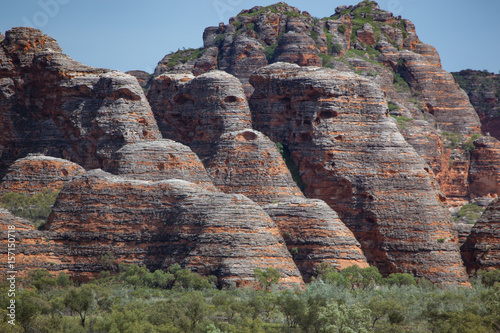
[[352, 300]]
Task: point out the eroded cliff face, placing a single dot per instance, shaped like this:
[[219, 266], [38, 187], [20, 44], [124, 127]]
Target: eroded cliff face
[[351, 155], [166, 222], [483, 89], [482, 248], [247, 162], [54, 105], [241, 160], [197, 111], [434, 113]]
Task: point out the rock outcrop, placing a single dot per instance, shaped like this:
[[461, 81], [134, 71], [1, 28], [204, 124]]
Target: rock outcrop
[[352, 156], [34, 249], [36, 173], [144, 78], [483, 89], [54, 105], [247, 162], [166, 222], [196, 111], [159, 160], [482, 248], [484, 174], [441, 95]]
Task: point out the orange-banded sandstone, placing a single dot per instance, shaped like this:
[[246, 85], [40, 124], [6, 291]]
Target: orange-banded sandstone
[[159, 160], [484, 173], [36, 173], [247, 162], [166, 222], [52, 104], [196, 111], [482, 248], [351, 155]]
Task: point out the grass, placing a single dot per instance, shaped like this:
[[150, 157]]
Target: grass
[[452, 140]]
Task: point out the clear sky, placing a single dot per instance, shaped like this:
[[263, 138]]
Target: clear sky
[[133, 34]]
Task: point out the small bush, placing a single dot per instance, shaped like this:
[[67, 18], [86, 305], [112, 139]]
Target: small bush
[[392, 106], [400, 84], [342, 28], [469, 144], [237, 24], [337, 48], [452, 140]]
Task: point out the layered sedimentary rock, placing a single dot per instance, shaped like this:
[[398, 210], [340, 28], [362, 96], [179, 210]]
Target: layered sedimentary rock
[[352, 156], [247, 162], [298, 48], [36, 173], [167, 222], [144, 78], [34, 249], [484, 173], [482, 248], [159, 160], [197, 111], [483, 89], [441, 95], [54, 105]]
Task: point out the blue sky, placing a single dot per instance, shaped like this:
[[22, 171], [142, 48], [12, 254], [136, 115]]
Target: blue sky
[[127, 34]]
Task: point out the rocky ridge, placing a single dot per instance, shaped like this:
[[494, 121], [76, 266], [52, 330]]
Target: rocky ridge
[[351, 155], [482, 248], [53, 105], [101, 119]]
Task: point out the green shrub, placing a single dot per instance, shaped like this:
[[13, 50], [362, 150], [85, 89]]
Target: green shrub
[[292, 167], [452, 140], [267, 278], [402, 121], [337, 48], [35, 208], [392, 106], [314, 35], [270, 52], [250, 26], [471, 213], [469, 144], [342, 28], [490, 278], [399, 83], [237, 24]]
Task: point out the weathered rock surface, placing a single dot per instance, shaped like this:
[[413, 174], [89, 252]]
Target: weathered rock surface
[[36, 173], [247, 162], [442, 97], [144, 78], [352, 156], [196, 111], [483, 89], [482, 248], [159, 160], [167, 222], [484, 173], [54, 105], [298, 48]]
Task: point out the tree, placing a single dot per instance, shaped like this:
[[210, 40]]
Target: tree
[[80, 300], [337, 318], [267, 278]]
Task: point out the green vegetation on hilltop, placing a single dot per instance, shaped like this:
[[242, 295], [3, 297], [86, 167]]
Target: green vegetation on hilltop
[[184, 55], [350, 300]]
